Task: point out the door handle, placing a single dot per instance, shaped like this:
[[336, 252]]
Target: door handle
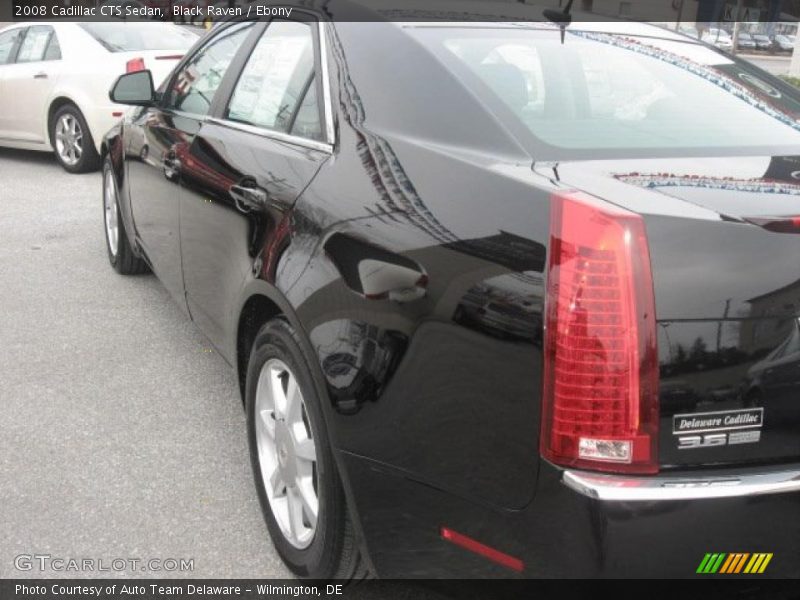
[[249, 197], [40, 75], [172, 166]]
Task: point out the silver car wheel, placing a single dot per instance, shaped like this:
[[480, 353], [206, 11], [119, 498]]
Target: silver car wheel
[[111, 211], [287, 453], [69, 139]]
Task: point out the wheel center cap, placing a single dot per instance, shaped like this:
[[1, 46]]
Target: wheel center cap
[[285, 452]]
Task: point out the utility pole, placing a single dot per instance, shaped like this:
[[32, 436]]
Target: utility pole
[[737, 22], [721, 323], [794, 66]]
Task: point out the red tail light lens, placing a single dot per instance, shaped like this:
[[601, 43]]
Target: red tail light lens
[[600, 407], [777, 224], [134, 65]]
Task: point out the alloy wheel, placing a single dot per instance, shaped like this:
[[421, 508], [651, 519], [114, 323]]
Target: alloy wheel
[[287, 453], [111, 211], [69, 139]]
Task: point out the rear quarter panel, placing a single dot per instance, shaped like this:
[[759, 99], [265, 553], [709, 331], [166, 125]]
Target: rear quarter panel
[[440, 378]]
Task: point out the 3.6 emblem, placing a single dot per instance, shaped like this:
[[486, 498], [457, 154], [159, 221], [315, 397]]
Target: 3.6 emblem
[[708, 440], [702, 441]]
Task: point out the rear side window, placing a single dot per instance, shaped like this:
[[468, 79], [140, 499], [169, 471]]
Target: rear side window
[[53, 51], [194, 86], [35, 46], [136, 37], [276, 89], [8, 43], [620, 92]]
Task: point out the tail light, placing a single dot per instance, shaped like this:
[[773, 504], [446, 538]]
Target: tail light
[[134, 65], [600, 406], [777, 224]]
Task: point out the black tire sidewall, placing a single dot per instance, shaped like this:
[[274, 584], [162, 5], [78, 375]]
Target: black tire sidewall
[[320, 560], [89, 158]]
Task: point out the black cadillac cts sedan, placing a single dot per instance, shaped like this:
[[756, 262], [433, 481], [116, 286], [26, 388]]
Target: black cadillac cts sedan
[[499, 304]]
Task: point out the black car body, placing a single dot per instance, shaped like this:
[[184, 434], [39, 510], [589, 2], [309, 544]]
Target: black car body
[[421, 241]]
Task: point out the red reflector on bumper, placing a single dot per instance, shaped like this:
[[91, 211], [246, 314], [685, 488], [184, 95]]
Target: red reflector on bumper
[[475, 546]]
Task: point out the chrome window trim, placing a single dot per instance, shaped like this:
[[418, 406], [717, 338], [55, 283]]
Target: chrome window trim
[[274, 135], [620, 488], [327, 106]]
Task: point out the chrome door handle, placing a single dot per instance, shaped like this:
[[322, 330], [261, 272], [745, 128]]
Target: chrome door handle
[[249, 197], [40, 75], [172, 167]]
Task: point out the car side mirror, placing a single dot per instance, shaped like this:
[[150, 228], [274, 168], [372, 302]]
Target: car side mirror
[[135, 89]]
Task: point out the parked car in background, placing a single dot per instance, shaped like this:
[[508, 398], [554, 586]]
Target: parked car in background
[[784, 43], [454, 268], [745, 42], [719, 38], [54, 81], [762, 42]]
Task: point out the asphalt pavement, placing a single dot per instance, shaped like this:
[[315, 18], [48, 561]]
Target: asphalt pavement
[[122, 435], [777, 64]]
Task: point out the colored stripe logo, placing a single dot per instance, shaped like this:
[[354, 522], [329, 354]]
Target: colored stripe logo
[[734, 563]]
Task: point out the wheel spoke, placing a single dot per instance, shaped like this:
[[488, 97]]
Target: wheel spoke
[[268, 423], [295, 506], [276, 483], [293, 401], [276, 391], [305, 450], [308, 497]]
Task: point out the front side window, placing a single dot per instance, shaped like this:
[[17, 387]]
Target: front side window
[[276, 89], [8, 42], [193, 88], [35, 45]]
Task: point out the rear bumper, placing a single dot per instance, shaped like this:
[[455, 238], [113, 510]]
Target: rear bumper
[[681, 488], [582, 525], [664, 526]]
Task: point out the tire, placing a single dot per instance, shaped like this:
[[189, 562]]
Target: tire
[[120, 253], [72, 141], [330, 551]]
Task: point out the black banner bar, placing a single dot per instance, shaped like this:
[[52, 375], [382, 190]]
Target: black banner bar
[[662, 11], [711, 588]]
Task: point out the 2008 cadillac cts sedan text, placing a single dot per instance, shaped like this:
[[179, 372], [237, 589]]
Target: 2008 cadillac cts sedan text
[[499, 305]]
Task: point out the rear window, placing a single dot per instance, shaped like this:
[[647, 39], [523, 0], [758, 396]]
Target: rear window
[[600, 91], [136, 37]]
